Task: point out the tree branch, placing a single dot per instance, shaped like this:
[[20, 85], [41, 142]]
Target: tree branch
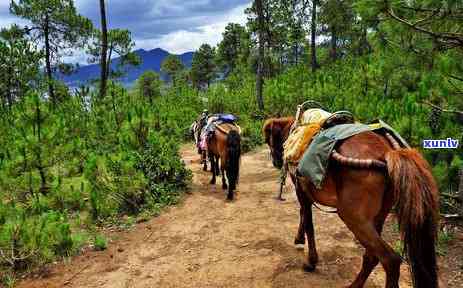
[[450, 37], [454, 197], [451, 216], [442, 109], [455, 77]]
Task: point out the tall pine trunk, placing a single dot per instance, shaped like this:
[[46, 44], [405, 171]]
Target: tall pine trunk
[[39, 164], [260, 56], [460, 192], [334, 43], [313, 27], [108, 61], [51, 92], [104, 50], [365, 46], [9, 93]]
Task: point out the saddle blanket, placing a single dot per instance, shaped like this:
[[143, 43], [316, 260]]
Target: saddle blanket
[[302, 135], [224, 122], [315, 159]]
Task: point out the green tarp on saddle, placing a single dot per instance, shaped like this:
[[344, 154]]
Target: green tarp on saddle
[[314, 162]]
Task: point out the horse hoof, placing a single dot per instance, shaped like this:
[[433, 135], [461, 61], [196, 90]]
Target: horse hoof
[[299, 241], [299, 246], [308, 267], [280, 198]]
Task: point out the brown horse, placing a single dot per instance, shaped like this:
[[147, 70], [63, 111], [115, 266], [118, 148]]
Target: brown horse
[[364, 196], [226, 146]]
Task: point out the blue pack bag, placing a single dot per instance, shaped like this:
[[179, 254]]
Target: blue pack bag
[[228, 118]]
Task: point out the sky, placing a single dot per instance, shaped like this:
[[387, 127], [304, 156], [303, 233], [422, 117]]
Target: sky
[[177, 26]]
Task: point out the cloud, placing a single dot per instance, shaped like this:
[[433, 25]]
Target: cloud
[[174, 25], [6, 19], [184, 40], [148, 19]]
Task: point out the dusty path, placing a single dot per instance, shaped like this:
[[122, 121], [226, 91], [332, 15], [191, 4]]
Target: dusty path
[[209, 242]]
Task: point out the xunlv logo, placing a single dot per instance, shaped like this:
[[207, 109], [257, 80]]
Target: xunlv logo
[[440, 144]]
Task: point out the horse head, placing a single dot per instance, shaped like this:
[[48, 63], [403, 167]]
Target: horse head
[[192, 129], [276, 131]]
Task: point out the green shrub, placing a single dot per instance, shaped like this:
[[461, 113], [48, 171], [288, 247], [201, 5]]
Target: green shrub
[[164, 169], [100, 243], [33, 239]]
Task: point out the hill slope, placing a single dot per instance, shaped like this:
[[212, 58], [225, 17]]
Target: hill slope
[[151, 60]]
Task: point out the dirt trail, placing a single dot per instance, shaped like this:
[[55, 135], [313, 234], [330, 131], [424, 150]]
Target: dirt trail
[[208, 242]]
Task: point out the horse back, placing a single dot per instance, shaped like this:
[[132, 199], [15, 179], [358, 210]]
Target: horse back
[[345, 184], [365, 145]]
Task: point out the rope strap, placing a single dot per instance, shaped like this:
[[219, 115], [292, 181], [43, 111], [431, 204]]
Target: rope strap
[[359, 163]]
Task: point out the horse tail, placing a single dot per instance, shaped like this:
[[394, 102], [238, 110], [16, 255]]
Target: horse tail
[[417, 197], [234, 154]]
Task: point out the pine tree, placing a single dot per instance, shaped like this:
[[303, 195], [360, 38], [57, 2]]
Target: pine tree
[[149, 85], [172, 66], [57, 25], [203, 69], [19, 65], [120, 44], [234, 47]]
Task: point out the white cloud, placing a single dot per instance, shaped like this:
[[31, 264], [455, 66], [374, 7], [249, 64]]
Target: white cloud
[[183, 41], [4, 5], [6, 21], [177, 26]]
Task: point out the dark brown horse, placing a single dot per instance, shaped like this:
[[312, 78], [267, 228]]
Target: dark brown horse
[[364, 196], [225, 145]]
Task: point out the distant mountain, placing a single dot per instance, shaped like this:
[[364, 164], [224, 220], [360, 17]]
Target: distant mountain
[[151, 60]]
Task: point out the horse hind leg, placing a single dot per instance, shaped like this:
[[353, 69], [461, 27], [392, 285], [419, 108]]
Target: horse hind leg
[[211, 158], [224, 178], [369, 261], [224, 182], [376, 247], [217, 170]]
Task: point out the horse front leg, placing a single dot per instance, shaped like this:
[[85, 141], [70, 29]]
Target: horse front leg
[[310, 233], [300, 237], [204, 159]]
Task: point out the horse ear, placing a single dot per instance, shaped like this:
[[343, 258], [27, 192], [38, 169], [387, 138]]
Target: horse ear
[[267, 130]]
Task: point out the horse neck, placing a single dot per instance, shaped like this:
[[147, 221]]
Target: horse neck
[[287, 128]]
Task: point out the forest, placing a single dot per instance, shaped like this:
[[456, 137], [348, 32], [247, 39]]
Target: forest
[[76, 160]]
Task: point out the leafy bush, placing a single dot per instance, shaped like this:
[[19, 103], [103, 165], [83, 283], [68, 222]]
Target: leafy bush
[[164, 169], [26, 240], [100, 243]]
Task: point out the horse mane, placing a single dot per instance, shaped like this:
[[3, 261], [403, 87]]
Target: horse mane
[[282, 123]]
